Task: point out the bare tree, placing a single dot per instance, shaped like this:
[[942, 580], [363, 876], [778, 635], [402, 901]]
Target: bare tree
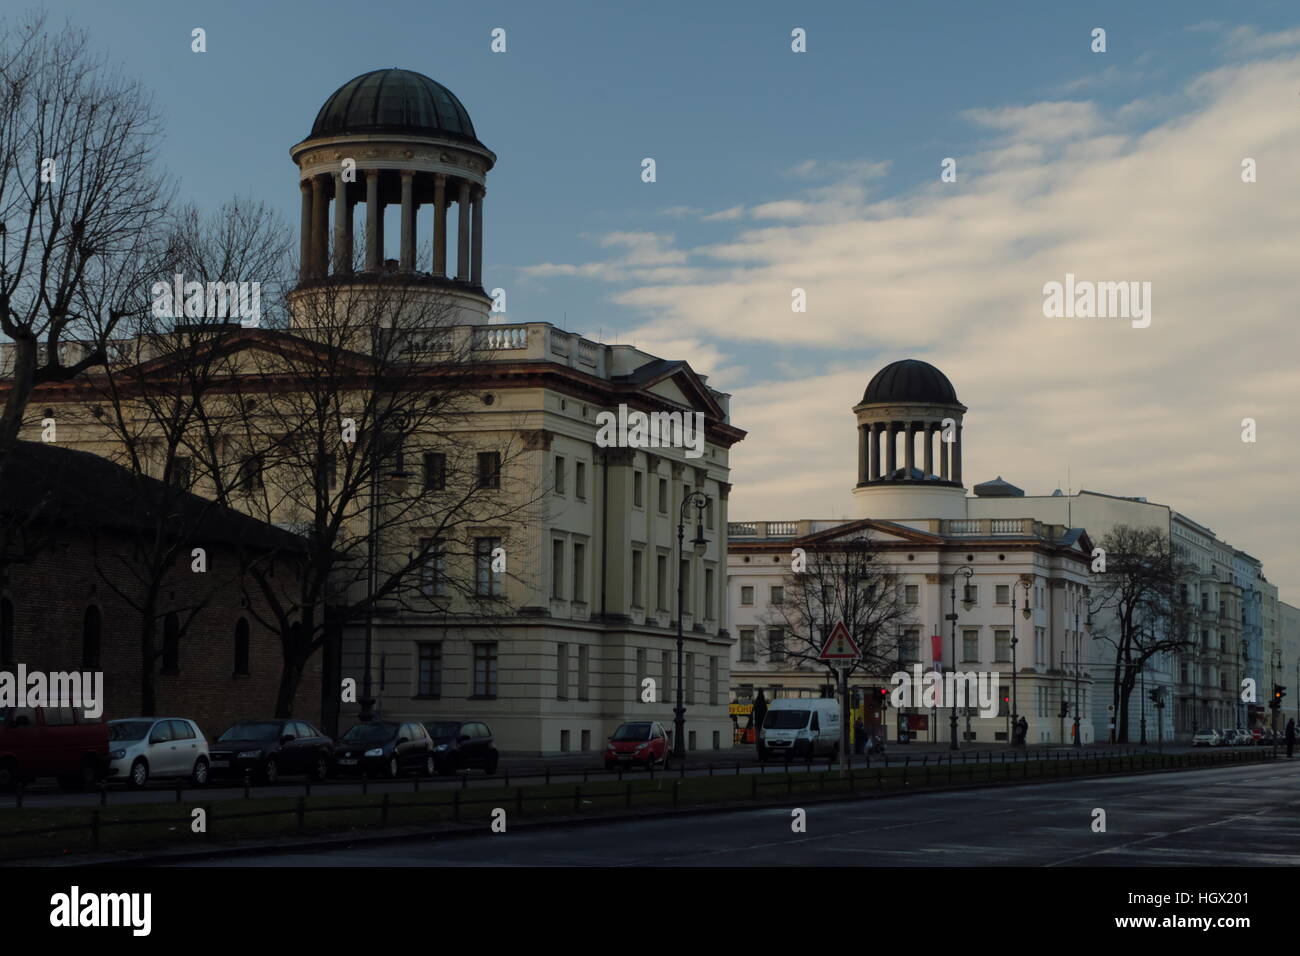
[[80, 204], [1139, 592]]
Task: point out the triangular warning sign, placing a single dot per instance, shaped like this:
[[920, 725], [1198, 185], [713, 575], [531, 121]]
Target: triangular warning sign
[[840, 646]]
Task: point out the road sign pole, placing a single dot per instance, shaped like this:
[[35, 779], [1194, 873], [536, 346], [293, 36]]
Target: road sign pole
[[844, 720]]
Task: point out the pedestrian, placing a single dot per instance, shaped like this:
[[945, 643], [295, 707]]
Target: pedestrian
[[759, 712], [859, 736], [1290, 736]]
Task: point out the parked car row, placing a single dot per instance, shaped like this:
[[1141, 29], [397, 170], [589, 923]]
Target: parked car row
[[62, 743], [1236, 737]]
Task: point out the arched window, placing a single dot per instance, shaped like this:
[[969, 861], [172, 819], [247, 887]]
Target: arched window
[[6, 631], [241, 646], [90, 627], [171, 650]]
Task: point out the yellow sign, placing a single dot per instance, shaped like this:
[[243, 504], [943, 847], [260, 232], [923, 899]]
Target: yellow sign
[[740, 710]]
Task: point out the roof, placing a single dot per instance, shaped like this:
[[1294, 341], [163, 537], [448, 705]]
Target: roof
[[62, 487], [910, 380], [392, 100], [997, 488]]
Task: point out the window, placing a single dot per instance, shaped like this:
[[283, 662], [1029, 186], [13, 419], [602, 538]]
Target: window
[[580, 480], [485, 669], [90, 646], [557, 570], [171, 649], [970, 645], [435, 471], [433, 570], [663, 496], [487, 582], [912, 645], [241, 646], [579, 572], [489, 469], [661, 572], [7, 630], [638, 489], [429, 675], [911, 594], [688, 679], [638, 575], [1001, 645], [584, 671], [182, 471], [776, 595], [747, 645], [250, 474], [564, 741], [747, 596], [708, 513], [562, 671], [713, 683], [1003, 594], [708, 594], [775, 644]]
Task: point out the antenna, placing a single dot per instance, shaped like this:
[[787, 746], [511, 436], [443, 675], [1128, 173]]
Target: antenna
[[1069, 501]]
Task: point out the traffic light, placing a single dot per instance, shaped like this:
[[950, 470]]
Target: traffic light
[[1279, 691], [883, 695], [1154, 695], [1065, 708]]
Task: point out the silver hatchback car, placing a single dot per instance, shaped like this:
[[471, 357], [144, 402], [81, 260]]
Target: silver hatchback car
[[141, 748]]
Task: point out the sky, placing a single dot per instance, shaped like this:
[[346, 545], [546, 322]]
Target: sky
[[820, 170]]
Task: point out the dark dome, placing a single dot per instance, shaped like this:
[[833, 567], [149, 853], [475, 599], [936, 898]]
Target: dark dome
[[910, 380], [397, 101]]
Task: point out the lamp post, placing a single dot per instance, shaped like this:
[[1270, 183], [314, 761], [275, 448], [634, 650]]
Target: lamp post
[[700, 500], [1025, 583], [969, 572], [395, 482], [1080, 597]]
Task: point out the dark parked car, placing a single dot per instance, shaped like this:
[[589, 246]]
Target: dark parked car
[[51, 742], [269, 749], [385, 747], [459, 745]]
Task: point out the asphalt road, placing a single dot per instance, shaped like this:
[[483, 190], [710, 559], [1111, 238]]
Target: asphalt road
[[1235, 816], [520, 771]]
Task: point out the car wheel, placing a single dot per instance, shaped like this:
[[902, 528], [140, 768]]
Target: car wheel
[[392, 768], [322, 768], [490, 767], [200, 774], [139, 773], [430, 766], [271, 771]]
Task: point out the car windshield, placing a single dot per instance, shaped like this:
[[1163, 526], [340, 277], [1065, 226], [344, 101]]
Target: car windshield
[[442, 731], [129, 729], [254, 730], [633, 732], [371, 731], [785, 719]]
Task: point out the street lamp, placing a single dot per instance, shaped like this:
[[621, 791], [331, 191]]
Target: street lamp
[[969, 572], [1080, 597], [395, 483], [700, 500], [1025, 583]]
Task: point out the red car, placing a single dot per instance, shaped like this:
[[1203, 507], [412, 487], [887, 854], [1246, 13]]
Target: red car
[[51, 742], [639, 743]]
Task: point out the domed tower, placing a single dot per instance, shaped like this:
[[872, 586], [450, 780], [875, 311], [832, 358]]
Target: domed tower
[[394, 138], [905, 403]]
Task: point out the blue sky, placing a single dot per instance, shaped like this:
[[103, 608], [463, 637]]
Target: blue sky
[[820, 171]]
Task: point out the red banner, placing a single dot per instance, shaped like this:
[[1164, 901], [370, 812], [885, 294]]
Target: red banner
[[936, 645]]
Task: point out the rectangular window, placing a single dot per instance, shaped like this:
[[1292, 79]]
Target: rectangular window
[[485, 669], [1040, 646], [182, 471], [661, 578], [1003, 594], [489, 469], [747, 596], [776, 595], [708, 594], [429, 681], [912, 594], [747, 645], [912, 645], [1001, 645], [579, 572], [433, 571], [708, 514], [562, 671], [638, 578], [580, 480], [557, 570], [584, 671], [487, 582], [775, 645], [559, 475], [250, 474], [435, 471], [638, 489], [713, 682], [663, 496], [970, 645]]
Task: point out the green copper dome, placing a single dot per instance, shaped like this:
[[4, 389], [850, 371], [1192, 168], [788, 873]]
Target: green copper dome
[[394, 101]]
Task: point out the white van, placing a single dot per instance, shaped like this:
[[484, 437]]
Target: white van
[[801, 727]]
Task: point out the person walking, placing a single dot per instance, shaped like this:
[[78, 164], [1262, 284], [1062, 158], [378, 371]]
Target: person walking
[[1290, 736]]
